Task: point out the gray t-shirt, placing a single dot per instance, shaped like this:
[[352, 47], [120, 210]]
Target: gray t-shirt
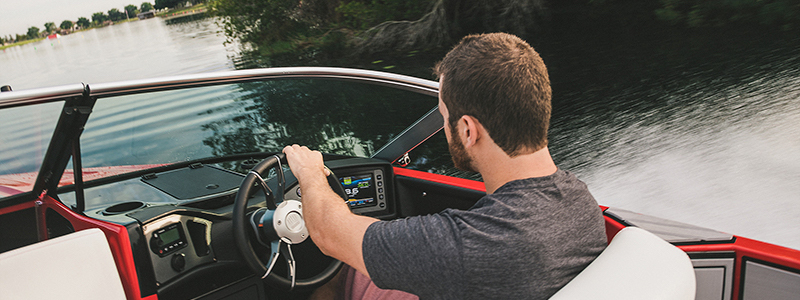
[[525, 241]]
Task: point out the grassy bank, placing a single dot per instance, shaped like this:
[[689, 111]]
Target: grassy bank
[[20, 43], [201, 6]]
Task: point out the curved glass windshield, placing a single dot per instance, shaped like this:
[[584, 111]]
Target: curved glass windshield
[[139, 131], [24, 138]]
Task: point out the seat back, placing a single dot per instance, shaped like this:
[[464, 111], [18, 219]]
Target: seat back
[[636, 265], [74, 266]]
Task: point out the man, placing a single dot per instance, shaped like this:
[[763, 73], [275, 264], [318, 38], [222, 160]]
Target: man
[[537, 227]]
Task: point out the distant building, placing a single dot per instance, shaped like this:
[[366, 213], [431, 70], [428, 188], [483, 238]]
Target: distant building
[[146, 15]]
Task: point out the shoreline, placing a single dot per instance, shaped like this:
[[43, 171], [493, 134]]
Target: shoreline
[[167, 15]]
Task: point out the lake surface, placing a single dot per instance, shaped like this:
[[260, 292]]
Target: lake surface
[[131, 50], [695, 126]]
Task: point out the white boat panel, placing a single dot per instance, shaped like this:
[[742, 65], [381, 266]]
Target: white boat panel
[[74, 266]]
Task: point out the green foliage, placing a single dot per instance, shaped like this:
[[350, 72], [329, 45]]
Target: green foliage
[[145, 7], [263, 22], [99, 17], [280, 26], [84, 22], [116, 15], [33, 32], [701, 13], [49, 27], [66, 24], [131, 10], [357, 15], [168, 3]]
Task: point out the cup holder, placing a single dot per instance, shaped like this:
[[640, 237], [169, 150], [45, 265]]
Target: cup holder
[[123, 207]]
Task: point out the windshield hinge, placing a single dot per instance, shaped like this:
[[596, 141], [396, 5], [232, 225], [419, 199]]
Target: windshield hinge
[[404, 160], [83, 110]]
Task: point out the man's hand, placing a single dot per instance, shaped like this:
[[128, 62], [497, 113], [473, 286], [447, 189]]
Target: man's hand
[[306, 164]]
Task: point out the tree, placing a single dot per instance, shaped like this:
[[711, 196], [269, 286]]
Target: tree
[[262, 22], [49, 27], [66, 25], [33, 32], [167, 3], [99, 18], [116, 15], [84, 22], [145, 7], [130, 9], [450, 20]]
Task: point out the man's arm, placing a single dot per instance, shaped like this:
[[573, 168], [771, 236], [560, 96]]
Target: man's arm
[[334, 228]]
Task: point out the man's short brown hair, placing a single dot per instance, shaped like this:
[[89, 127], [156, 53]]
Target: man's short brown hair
[[500, 80]]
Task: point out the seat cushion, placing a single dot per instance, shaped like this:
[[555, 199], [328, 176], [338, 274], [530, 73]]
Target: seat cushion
[[636, 265], [74, 266]]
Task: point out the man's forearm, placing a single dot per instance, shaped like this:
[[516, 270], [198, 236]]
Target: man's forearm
[[334, 228]]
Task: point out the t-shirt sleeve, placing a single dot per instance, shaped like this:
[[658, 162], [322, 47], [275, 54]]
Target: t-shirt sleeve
[[417, 254]]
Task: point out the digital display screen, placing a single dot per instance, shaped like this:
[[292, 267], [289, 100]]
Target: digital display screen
[[360, 190], [169, 236]]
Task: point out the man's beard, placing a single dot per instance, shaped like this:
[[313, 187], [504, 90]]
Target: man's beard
[[461, 158]]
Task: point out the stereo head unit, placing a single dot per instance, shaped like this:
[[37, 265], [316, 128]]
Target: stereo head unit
[[168, 239]]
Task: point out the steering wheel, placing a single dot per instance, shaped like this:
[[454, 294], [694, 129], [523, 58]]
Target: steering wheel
[[276, 226]]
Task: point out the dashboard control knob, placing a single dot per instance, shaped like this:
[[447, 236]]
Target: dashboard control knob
[[178, 262]]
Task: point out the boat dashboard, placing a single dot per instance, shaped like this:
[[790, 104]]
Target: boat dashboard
[[179, 221]]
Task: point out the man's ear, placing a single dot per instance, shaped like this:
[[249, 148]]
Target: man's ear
[[469, 130]]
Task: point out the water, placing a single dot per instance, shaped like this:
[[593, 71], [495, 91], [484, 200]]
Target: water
[[695, 126], [698, 126], [132, 50]]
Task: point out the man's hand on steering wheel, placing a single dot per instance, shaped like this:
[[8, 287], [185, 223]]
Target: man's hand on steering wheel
[[305, 164]]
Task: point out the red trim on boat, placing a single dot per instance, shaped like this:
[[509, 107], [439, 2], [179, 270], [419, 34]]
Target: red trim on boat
[[118, 240], [17, 207], [612, 226], [453, 181]]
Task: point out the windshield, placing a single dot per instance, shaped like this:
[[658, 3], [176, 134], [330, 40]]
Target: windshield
[[140, 131], [24, 137]]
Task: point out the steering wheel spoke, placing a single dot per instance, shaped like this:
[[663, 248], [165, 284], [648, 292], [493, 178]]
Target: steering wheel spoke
[[273, 258]]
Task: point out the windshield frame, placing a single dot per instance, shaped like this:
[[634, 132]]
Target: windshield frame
[[59, 153]]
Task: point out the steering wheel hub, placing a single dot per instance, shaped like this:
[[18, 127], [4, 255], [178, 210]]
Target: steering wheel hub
[[288, 222]]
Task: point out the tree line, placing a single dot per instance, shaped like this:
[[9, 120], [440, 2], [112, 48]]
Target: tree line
[[98, 19], [281, 26]]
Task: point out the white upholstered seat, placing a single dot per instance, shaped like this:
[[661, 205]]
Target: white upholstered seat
[[75, 266], [636, 265]]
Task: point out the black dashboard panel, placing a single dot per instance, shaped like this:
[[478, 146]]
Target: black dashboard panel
[[193, 182], [181, 218]]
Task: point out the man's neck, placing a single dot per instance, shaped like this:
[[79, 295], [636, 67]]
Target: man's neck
[[498, 169]]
